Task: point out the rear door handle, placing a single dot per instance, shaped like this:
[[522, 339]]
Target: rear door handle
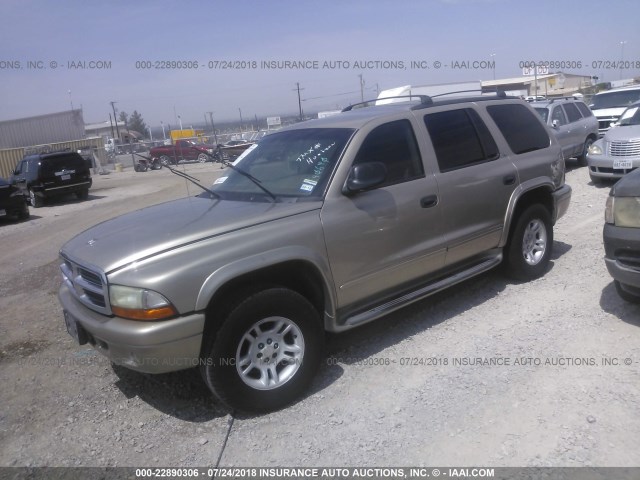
[[429, 201], [509, 179]]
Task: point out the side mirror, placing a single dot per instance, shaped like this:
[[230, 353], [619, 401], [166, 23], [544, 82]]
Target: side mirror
[[364, 176], [613, 124], [555, 124]]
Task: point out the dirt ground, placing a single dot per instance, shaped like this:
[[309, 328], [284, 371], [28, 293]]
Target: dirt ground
[[490, 372]]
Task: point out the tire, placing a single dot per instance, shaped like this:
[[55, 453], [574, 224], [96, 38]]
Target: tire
[[156, 164], [582, 158], [595, 180], [275, 323], [24, 213], [202, 157], [626, 296], [165, 160], [82, 194], [528, 250], [35, 200]]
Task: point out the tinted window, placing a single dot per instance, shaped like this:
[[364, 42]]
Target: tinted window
[[572, 112], [586, 112], [460, 138], [520, 127], [543, 112], [393, 144], [558, 116], [50, 165]]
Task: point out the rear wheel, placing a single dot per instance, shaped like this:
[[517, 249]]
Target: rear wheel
[[82, 194], [266, 352], [582, 158], [202, 157], [35, 200], [528, 250], [165, 160]]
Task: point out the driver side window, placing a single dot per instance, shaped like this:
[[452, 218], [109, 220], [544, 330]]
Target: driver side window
[[394, 145], [558, 114]]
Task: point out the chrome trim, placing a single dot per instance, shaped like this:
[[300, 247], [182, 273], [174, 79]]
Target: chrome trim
[[82, 288]]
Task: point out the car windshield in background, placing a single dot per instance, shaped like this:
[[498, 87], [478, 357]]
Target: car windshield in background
[[631, 116], [295, 164], [544, 113], [615, 99]]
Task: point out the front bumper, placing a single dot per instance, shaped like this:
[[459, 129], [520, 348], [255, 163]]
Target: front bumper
[[561, 200], [149, 347], [622, 253], [601, 166]]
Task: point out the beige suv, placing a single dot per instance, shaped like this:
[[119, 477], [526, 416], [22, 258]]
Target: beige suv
[[322, 226]]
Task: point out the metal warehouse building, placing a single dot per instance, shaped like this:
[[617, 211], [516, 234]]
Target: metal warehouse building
[[43, 129]]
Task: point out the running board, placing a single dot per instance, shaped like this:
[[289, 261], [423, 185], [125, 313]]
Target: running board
[[397, 303]]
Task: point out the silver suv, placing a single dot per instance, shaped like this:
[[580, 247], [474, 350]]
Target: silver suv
[[322, 226], [573, 124], [607, 106]]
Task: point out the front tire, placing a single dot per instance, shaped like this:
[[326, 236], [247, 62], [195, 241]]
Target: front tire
[[266, 352], [528, 250], [626, 296], [202, 157]]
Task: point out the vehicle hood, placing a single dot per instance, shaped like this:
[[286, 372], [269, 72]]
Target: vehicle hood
[[623, 134], [116, 243], [608, 112]]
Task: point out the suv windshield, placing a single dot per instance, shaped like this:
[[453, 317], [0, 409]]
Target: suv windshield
[[294, 164], [631, 116], [615, 99]]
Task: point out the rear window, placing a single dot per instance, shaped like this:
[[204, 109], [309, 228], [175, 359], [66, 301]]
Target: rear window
[[520, 127], [51, 165]]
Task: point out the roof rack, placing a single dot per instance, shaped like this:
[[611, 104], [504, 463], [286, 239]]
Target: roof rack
[[424, 100], [427, 100], [551, 100]]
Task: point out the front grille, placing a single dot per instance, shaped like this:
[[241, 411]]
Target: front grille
[[629, 148], [87, 285]]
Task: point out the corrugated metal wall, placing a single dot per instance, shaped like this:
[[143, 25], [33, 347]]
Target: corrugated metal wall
[[54, 127], [10, 157]]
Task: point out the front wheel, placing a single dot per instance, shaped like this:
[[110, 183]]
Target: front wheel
[[165, 160], [202, 157], [624, 294], [266, 352], [528, 250]]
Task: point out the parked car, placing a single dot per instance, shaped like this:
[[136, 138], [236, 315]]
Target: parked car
[[622, 236], [573, 124], [618, 152], [13, 203], [182, 150], [46, 175], [235, 148], [607, 106], [322, 226]]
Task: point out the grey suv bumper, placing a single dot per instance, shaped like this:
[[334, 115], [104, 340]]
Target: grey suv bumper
[[622, 254], [150, 347]]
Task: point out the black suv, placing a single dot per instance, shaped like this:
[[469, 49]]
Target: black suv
[[12, 201], [51, 174]]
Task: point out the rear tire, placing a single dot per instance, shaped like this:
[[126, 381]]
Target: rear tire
[[266, 352], [82, 194], [582, 158], [528, 250], [35, 200], [202, 157]]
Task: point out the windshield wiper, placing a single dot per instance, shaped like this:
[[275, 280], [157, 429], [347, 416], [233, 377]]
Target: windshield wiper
[[217, 157]]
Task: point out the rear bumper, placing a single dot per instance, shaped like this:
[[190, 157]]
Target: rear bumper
[[62, 189], [149, 347]]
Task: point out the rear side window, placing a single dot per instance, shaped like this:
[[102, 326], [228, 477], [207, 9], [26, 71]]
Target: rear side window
[[572, 112], [394, 144], [460, 138], [586, 111], [520, 127]]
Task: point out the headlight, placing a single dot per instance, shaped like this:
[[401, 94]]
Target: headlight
[[139, 304], [626, 212], [595, 149]]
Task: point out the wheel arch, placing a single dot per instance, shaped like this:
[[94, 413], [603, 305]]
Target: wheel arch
[[298, 275], [522, 198]]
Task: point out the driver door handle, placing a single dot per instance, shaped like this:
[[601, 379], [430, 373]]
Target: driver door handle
[[429, 201]]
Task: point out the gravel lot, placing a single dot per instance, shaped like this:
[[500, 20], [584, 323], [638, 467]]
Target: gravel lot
[[405, 390]]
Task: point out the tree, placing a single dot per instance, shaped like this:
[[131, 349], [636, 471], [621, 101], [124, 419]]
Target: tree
[[136, 123], [124, 117]]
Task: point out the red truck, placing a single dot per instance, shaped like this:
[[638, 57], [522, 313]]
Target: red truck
[[182, 150]]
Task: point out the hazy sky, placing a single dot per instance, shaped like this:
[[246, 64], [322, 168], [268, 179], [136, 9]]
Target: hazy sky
[[384, 36]]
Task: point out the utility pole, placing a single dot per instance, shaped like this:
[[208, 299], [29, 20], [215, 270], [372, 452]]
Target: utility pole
[[113, 133], [240, 110], [213, 127], [115, 118], [299, 101], [361, 88]]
